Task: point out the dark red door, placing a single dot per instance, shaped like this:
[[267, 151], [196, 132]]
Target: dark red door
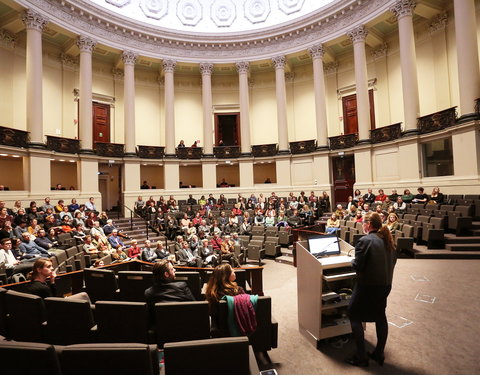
[[343, 168], [350, 119], [227, 129], [101, 122]]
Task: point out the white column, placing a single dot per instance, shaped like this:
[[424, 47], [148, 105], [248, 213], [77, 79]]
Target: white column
[[35, 24], [317, 52], [382, 99], [242, 69], [358, 36], [403, 11], [438, 36], [169, 69], [86, 46], [467, 56], [129, 58], [279, 63], [206, 70]]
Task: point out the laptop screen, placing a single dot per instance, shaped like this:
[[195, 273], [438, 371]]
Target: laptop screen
[[324, 245]]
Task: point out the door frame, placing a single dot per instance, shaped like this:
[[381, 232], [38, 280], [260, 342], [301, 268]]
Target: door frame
[[237, 126]]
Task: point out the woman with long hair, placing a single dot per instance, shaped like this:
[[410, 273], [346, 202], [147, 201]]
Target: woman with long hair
[[375, 258], [222, 283]]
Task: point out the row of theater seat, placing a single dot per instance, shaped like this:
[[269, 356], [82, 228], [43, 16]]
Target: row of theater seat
[[200, 357]]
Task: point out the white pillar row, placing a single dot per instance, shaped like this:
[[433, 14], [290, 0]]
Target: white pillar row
[[169, 69], [403, 11], [129, 58], [35, 24], [279, 63], [86, 46], [467, 56], [206, 69], [358, 35], [242, 69], [438, 36], [317, 52]]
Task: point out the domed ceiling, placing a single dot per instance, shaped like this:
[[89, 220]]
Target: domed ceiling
[[213, 16]]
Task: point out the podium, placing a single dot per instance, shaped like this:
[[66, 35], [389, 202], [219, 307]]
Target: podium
[[318, 279]]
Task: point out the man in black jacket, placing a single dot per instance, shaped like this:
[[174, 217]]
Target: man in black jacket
[[165, 288]]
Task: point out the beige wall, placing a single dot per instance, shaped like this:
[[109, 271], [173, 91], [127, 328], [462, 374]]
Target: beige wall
[[153, 174], [230, 173], [64, 173], [11, 173], [191, 175], [263, 171]]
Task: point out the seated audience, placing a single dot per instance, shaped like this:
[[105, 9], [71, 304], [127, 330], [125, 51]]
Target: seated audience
[[436, 196], [187, 256], [421, 197], [407, 196], [134, 251], [161, 252], [333, 224], [30, 248], [148, 253], [400, 206], [392, 223]]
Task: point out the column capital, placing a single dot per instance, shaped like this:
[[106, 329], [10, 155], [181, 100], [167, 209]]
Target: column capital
[[403, 8], [438, 23], [129, 57], [118, 74], [86, 44], [289, 77], [68, 60], [380, 52], [34, 20], [331, 68], [206, 68], [316, 51], [358, 34], [242, 66], [7, 39], [169, 66], [279, 62]]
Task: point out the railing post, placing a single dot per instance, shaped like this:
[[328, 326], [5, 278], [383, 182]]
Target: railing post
[[131, 220], [146, 224]]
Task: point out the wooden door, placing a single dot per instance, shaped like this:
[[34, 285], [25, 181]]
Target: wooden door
[[350, 118], [343, 169], [101, 122], [227, 129]]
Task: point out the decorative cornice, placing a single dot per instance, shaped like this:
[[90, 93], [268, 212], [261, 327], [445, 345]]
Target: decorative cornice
[[331, 68], [169, 66], [279, 62], [403, 8], [380, 52], [242, 66], [129, 57], [206, 68], [34, 20], [438, 23], [358, 34], [317, 51], [86, 44], [7, 39], [87, 18]]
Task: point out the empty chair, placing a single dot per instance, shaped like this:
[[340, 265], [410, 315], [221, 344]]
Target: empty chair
[[345, 233], [232, 355], [26, 314], [28, 358], [66, 240], [132, 285], [101, 359], [285, 237], [119, 321], [255, 251], [272, 248], [181, 321], [193, 282], [434, 238], [69, 321], [241, 278], [100, 284], [71, 251], [265, 336], [404, 239]]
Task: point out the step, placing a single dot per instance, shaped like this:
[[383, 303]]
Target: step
[[447, 254], [463, 247], [287, 252], [284, 259], [466, 239]]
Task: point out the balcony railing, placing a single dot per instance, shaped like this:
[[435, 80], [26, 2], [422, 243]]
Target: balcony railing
[[386, 133], [110, 149], [264, 150], [66, 145], [303, 147], [226, 152], [13, 137], [189, 152], [437, 121], [343, 141], [151, 152]]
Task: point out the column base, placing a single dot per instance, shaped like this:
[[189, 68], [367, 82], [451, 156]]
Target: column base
[[410, 132], [208, 156], [37, 145], [283, 152], [130, 155], [322, 148], [170, 156], [364, 141], [245, 154], [468, 117], [87, 151]]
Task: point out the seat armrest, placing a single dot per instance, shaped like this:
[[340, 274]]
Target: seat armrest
[[274, 332]]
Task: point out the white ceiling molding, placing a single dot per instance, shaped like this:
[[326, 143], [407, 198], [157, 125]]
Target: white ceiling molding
[[86, 18]]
